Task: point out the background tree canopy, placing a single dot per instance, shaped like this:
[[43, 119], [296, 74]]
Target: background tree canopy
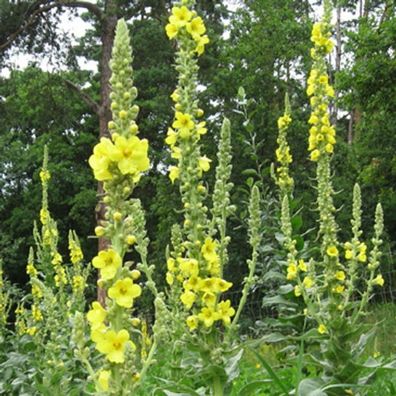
[[263, 46]]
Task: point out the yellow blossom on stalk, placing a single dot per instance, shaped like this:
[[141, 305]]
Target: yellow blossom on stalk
[[174, 173], [200, 48], [340, 275], [100, 161], [332, 251], [302, 266], [44, 216], [225, 312], [188, 298], [113, 345], [171, 30], [171, 137], [291, 271], [103, 380], [36, 313], [78, 283], [169, 279], [180, 16], [96, 315], [297, 291], [188, 267], [322, 329], [184, 124], [308, 282], [339, 289], [204, 163], [378, 280], [45, 175], [31, 270], [131, 155], [223, 285], [108, 261], [124, 291], [208, 316], [349, 254], [192, 322], [208, 250], [196, 28]]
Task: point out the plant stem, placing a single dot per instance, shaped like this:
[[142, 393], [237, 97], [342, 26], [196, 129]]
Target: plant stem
[[217, 387]]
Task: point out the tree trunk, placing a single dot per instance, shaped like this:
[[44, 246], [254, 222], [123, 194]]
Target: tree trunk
[[108, 31]]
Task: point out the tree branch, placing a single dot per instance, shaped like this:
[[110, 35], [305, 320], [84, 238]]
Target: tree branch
[[94, 106], [36, 10]]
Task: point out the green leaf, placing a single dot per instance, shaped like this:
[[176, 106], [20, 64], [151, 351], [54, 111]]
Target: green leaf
[[297, 223], [310, 387], [251, 387]]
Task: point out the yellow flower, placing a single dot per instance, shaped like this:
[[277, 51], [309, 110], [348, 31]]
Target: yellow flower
[[180, 16], [284, 121], [332, 251], [171, 137], [340, 275], [31, 270], [193, 283], [208, 250], [362, 257], [113, 345], [44, 175], [291, 271], [378, 280], [188, 298], [339, 289], [170, 263], [192, 322], [204, 163], [349, 254], [100, 161], [208, 316], [174, 173], [225, 311], [297, 291], [124, 291], [78, 283], [203, 40], [169, 278], [308, 282], [131, 155], [97, 315], [183, 122], [196, 28], [171, 30], [302, 265], [36, 313], [44, 216], [188, 267], [322, 329], [108, 261], [209, 299], [103, 380], [315, 155], [223, 285]]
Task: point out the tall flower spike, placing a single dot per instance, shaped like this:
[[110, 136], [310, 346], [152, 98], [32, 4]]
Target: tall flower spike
[[283, 155], [195, 267]]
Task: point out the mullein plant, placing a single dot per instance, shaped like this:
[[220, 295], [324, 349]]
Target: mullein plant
[[57, 293], [196, 262], [119, 162], [337, 283], [5, 303]]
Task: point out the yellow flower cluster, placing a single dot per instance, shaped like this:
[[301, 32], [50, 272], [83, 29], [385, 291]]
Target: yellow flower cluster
[[202, 286], [322, 133], [353, 252], [182, 22], [283, 155], [119, 157], [185, 127]]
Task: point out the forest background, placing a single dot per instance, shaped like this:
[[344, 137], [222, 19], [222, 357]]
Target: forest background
[[260, 45]]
